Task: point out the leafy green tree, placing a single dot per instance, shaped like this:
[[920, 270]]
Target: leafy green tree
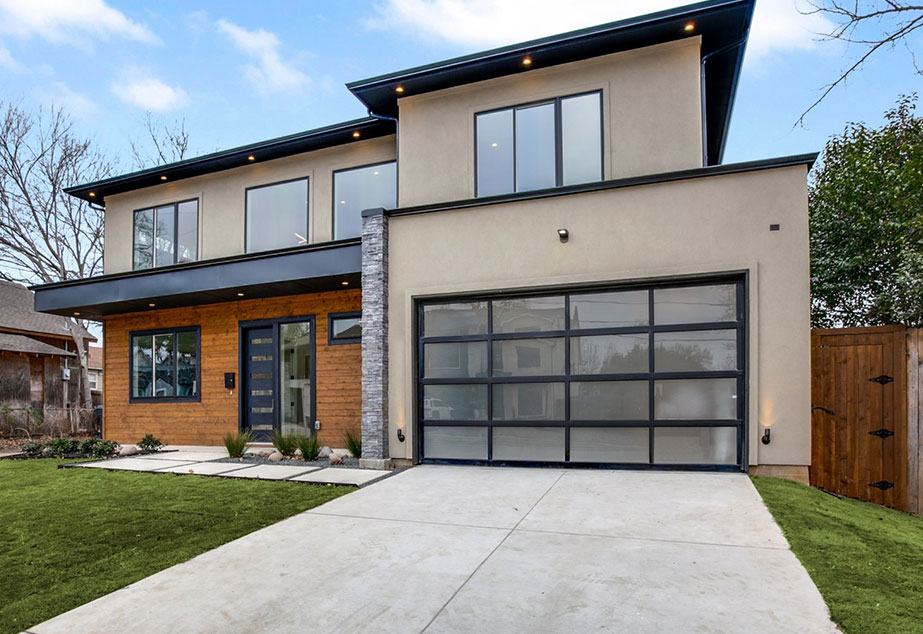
[[866, 211]]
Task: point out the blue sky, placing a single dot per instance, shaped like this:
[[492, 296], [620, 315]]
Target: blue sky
[[239, 72]]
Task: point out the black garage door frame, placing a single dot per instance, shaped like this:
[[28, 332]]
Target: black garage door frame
[[741, 374]]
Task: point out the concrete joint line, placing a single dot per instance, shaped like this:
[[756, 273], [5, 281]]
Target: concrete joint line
[[491, 553], [404, 521], [653, 539]]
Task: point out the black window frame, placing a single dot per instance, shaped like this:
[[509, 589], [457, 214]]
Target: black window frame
[[307, 212], [153, 209], [197, 397], [333, 193], [558, 139], [740, 374], [342, 341]]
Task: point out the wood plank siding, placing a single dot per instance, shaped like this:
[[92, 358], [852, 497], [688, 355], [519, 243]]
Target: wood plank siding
[[338, 371]]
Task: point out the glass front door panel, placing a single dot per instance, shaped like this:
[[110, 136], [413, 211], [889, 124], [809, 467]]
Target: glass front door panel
[[295, 352]]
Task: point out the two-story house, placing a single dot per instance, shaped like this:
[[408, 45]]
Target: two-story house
[[530, 255]]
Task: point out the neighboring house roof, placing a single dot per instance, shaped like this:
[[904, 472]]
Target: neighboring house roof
[[96, 358], [17, 313], [723, 26], [21, 343], [298, 143]]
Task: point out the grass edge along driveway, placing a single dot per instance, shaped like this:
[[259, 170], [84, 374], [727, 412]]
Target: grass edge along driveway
[[866, 560], [68, 536]]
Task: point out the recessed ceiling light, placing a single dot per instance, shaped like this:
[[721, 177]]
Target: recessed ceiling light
[[356, 134], [344, 283], [152, 305], [399, 89], [251, 158], [92, 194], [689, 27], [76, 314], [240, 294], [163, 178], [526, 61]]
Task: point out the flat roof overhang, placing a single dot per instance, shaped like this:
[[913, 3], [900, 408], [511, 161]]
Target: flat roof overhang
[[309, 141], [722, 24], [310, 269]]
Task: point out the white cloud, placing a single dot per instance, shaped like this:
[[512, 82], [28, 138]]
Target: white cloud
[[268, 73], [147, 92], [778, 26], [67, 21], [7, 61], [60, 95]]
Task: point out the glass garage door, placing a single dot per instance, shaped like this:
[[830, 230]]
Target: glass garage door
[[644, 377]]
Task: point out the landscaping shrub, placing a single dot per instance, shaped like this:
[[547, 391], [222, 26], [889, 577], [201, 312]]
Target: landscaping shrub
[[149, 443], [98, 447], [353, 444], [285, 444], [309, 447], [33, 449], [61, 446], [236, 444]]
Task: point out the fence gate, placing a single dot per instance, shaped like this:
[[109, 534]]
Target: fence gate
[[859, 415]]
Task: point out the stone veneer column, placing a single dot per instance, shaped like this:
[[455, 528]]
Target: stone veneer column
[[375, 431]]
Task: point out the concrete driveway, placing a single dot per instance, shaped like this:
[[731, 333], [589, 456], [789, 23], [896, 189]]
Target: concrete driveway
[[473, 549]]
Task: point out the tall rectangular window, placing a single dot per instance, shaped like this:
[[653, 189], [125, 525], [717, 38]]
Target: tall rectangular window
[[165, 235], [277, 216], [540, 145], [165, 364], [361, 188]]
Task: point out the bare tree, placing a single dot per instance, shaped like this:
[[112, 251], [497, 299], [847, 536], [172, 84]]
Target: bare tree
[[163, 143], [872, 26], [45, 235]]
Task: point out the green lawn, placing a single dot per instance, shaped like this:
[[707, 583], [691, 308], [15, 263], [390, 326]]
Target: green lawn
[[866, 560], [68, 536]]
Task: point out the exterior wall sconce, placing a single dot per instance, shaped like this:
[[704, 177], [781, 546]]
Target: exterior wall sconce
[[400, 434], [563, 234], [766, 439]]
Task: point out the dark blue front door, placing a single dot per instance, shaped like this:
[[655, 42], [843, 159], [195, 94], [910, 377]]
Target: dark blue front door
[[259, 383]]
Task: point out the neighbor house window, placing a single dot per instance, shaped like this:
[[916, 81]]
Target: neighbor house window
[[168, 234], [540, 145], [361, 188], [165, 364], [344, 328], [277, 216], [94, 381]]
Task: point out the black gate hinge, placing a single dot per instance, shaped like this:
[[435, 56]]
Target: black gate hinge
[[882, 433], [884, 485], [883, 379]]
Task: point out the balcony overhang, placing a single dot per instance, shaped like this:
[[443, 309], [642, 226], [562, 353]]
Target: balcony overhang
[[310, 269]]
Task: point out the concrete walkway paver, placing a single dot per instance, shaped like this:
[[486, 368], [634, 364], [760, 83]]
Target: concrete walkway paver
[[342, 476], [203, 468], [135, 464], [268, 472], [473, 549]]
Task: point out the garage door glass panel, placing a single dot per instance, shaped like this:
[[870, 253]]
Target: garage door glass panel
[[528, 314], [528, 401], [695, 351], [543, 444], [609, 444], [609, 310], [455, 402], [455, 359], [695, 304], [528, 357], [609, 354], [695, 445], [455, 443], [463, 318], [695, 399], [609, 400]]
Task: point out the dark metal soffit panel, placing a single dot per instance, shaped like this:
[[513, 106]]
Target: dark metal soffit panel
[[287, 272], [720, 23], [329, 136]]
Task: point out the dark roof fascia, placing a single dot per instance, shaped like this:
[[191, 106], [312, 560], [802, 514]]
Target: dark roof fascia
[[301, 142], [722, 24], [262, 255], [806, 160]]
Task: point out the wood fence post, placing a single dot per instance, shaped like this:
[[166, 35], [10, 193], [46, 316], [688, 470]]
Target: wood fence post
[[914, 423]]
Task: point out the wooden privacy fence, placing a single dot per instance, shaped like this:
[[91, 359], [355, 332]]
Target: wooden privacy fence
[[866, 414]]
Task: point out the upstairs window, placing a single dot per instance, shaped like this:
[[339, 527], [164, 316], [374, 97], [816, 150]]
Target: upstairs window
[[361, 188], [277, 216], [540, 145], [168, 234]]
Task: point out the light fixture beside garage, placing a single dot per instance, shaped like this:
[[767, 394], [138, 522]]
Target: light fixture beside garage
[[767, 438], [563, 235]]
